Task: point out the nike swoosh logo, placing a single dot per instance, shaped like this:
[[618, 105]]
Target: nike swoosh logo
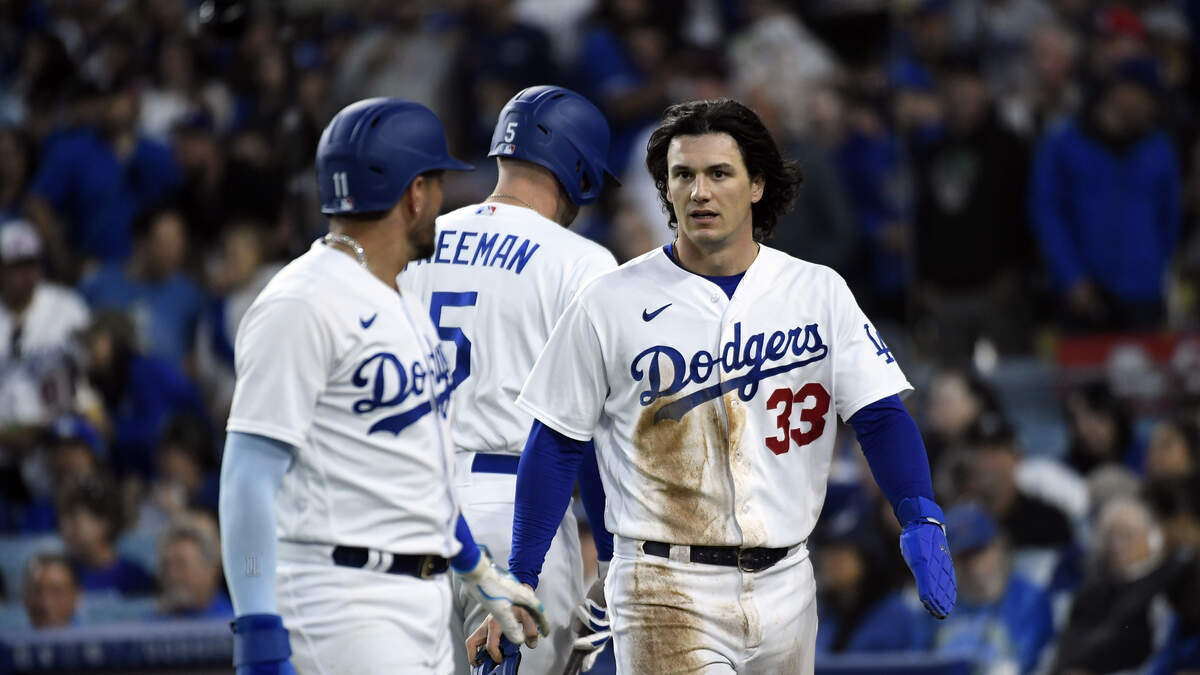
[[648, 316], [366, 323]]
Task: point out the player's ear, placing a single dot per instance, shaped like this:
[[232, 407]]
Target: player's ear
[[757, 185], [415, 198]]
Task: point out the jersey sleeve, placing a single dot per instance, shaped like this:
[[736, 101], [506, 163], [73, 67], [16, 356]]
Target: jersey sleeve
[[864, 368], [283, 357], [567, 386]]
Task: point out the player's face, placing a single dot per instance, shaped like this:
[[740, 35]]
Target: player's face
[[424, 229], [711, 190]]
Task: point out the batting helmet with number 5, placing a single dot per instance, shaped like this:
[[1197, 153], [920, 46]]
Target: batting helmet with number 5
[[561, 131]]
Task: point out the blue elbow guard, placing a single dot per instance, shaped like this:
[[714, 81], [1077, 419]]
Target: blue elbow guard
[[259, 638]]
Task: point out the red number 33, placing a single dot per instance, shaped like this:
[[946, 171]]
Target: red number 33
[[815, 416]]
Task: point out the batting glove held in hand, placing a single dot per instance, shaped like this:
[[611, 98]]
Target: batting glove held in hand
[[498, 591], [260, 645], [923, 545], [512, 660], [591, 622]]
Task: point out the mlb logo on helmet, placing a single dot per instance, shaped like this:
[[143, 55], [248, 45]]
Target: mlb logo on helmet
[[347, 203], [506, 149]]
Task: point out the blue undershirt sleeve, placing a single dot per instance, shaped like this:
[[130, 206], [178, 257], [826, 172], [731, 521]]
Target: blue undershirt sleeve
[[252, 470], [468, 556], [894, 450], [591, 490], [545, 480]]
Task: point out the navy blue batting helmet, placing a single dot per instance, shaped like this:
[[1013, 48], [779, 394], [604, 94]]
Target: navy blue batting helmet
[[560, 130], [371, 150]]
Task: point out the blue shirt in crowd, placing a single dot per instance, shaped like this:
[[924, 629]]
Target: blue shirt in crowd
[[1016, 628], [97, 194], [156, 391], [1111, 218], [123, 576], [165, 312], [891, 625]]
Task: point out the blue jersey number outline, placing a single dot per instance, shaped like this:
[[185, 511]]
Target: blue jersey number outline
[[462, 346]]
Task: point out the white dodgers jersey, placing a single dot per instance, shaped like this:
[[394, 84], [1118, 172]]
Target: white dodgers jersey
[[713, 416], [335, 363], [500, 278]]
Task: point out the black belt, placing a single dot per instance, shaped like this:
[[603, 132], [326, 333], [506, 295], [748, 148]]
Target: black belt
[[745, 559], [420, 566]]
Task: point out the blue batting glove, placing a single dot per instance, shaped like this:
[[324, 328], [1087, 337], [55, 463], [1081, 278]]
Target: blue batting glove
[[923, 545], [512, 659], [260, 645]]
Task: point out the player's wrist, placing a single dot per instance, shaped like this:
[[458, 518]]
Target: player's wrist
[[259, 638], [914, 510]]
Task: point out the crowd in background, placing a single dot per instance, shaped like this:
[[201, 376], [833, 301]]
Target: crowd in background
[[994, 178]]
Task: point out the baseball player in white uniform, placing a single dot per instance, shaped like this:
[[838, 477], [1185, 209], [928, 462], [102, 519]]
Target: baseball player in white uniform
[[708, 373], [502, 273], [338, 514]]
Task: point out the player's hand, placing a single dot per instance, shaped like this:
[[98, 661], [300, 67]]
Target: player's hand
[[260, 645], [505, 597], [484, 664], [590, 622], [488, 639], [923, 545]]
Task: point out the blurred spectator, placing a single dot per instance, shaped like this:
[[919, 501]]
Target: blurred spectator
[[1048, 92], [956, 399], [140, 393], [32, 95], [1026, 520], [89, 513], [1176, 502], [860, 611], [1001, 31], [16, 170], [1105, 205], [152, 287], [400, 55], [872, 165], [1118, 34], [1101, 431], [95, 179], [1173, 450], [501, 56], [51, 591], [623, 66], [190, 575], [970, 194], [1120, 609], [926, 34], [71, 452], [38, 320], [820, 228], [37, 323], [226, 179], [242, 271], [173, 95], [778, 64], [184, 480], [1002, 620]]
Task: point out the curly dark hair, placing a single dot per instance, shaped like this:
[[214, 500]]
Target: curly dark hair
[[759, 152]]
